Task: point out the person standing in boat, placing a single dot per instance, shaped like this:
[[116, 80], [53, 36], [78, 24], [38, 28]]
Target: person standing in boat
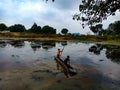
[[58, 56], [58, 53]]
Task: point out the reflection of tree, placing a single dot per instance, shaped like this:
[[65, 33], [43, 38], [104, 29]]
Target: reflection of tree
[[96, 49], [35, 45], [48, 44], [64, 43], [112, 51], [17, 43], [3, 44]]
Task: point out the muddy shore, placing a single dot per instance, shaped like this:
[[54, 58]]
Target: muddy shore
[[43, 76]]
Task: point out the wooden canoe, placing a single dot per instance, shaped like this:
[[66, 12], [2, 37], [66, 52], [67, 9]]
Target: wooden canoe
[[65, 68]]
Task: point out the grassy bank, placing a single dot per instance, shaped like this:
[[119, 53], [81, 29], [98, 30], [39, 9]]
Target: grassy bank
[[105, 39]]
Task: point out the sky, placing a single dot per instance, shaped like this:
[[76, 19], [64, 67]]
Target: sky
[[58, 14]]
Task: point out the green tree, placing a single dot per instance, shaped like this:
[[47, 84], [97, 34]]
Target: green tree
[[64, 31], [17, 28], [2, 27], [35, 28], [95, 11], [113, 28], [97, 29], [93, 29], [48, 30]]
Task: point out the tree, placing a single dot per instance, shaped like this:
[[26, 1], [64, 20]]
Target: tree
[[17, 28], [113, 28], [97, 29], [35, 28], [64, 31], [48, 30], [95, 11], [2, 27], [116, 27], [93, 29]]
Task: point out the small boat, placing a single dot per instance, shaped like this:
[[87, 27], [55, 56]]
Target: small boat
[[65, 68]]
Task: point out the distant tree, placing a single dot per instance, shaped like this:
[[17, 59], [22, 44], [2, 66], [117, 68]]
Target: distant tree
[[97, 29], [17, 28], [2, 27], [113, 28], [48, 30], [64, 31], [35, 28], [39, 28]]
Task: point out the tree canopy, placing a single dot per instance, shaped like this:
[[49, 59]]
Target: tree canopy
[[64, 31], [48, 30], [97, 29], [35, 28], [95, 11], [17, 28], [113, 28], [2, 27]]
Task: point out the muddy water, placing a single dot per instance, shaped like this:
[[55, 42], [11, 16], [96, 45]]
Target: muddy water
[[30, 65]]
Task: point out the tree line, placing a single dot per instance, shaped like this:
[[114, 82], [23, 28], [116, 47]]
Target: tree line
[[112, 29], [34, 29]]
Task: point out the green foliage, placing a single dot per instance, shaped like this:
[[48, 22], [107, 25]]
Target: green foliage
[[48, 30], [113, 28], [97, 29], [95, 11], [45, 30], [2, 27], [35, 28], [64, 31], [17, 28]]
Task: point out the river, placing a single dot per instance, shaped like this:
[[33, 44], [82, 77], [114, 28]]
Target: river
[[30, 65]]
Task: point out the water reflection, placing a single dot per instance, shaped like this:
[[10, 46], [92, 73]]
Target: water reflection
[[48, 45], [3, 44], [112, 51], [35, 45], [16, 43], [96, 49], [64, 43]]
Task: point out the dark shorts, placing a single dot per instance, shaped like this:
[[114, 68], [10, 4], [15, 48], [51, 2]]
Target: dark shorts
[[58, 56]]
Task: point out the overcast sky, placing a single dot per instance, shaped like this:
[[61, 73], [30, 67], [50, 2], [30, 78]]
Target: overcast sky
[[57, 14]]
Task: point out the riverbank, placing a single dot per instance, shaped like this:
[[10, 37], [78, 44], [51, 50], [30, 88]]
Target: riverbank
[[82, 38], [40, 75]]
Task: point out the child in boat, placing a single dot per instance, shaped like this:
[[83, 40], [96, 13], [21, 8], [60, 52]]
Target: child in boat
[[67, 62]]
